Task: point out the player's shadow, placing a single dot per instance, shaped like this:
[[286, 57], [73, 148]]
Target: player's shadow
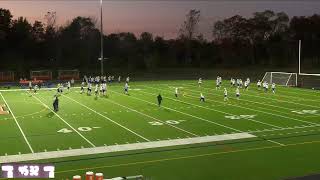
[[50, 115]]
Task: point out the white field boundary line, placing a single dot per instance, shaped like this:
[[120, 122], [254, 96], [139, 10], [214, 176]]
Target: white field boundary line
[[222, 112], [158, 120], [124, 147], [212, 122], [291, 102], [201, 118], [105, 117], [269, 113], [288, 128], [15, 119], [264, 108], [65, 121]]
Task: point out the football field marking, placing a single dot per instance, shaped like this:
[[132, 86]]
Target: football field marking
[[211, 108], [158, 120], [15, 119], [295, 119], [291, 102], [185, 113], [123, 147], [107, 118], [64, 121]]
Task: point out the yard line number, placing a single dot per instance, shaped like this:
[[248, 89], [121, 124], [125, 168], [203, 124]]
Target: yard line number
[[172, 122], [83, 129]]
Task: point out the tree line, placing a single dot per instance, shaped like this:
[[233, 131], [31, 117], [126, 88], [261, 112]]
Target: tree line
[[266, 39]]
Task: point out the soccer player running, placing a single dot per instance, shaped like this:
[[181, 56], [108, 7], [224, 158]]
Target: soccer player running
[[89, 89], [225, 94], [128, 79], [159, 98], [119, 79], [246, 85], [35, 88], [176, 92], [82, 87], [273, 87], [217, 83], [259, 84], [202, 98], [55, 103], [30, 86], [96, 92], [68, 85], [199, 82], [238, 93], [266, 87], [126, 88]]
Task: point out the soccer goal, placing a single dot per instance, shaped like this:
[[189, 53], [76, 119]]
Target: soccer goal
[[68, 74], [281, 78], [7, 76], [41, 75]]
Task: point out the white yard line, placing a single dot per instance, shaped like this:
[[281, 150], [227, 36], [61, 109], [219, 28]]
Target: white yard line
[[107, 118], [64, 121], [186, 114], [213, 109], [158, 120], [269, 113], [291, 102], [24, 136], [123, 147]]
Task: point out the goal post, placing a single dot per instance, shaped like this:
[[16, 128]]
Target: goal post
[[6, 76], [41, 75], [308, 80], [68, 74], [281, 78]]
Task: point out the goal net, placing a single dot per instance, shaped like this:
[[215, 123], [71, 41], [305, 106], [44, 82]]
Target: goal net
[[281, 78], [6, 76], [41, 75], [68, 74]]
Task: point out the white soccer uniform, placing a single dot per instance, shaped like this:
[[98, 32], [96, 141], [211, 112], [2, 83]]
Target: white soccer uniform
[[273, 86], [126, 88], [128, 79], [237, 93], [259, 84], [176, 92], [200, 81], [68, 85], [202, 97], [225, 94], [96, 89]]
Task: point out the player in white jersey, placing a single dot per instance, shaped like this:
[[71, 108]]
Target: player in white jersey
[[60, 88], [128, 79], [89, 88], [96, 91], [246, 85], [225, 94], [240, 83], [202, 98], [259, 84], [126, 88], [68, 85], [30, 85], [220, 80], [273, 87], [104, 89], [217, 84], [82, 87], [119, 79], [266, 87], [35, 88], [237, 93], [248, 80], [176, 92], [233, 82], [199, 82]]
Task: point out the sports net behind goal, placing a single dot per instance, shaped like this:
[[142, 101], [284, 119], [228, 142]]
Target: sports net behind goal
[[68, 74], [7, 76], [281, 78], [41, 75]]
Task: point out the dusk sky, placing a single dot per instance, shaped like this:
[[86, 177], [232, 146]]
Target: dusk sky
[[162, 18]]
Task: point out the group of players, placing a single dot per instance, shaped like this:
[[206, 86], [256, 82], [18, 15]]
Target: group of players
[[100, 83]]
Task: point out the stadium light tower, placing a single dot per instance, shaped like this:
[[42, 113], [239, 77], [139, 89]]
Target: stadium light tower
[[101, 38]]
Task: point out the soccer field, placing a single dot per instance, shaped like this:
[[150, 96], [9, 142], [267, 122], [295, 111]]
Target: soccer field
[[123, 134]]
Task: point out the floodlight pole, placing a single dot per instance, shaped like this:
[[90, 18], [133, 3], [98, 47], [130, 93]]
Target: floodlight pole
[[299, 57], [101, 36]]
